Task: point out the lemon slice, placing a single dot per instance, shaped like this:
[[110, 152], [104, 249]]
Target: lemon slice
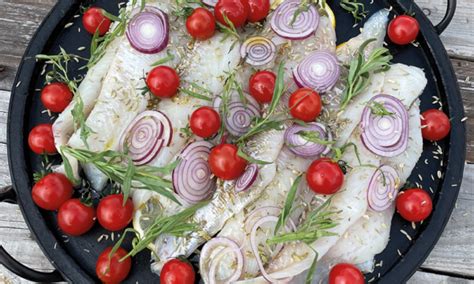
[[330, 14], [341, 45], [144, 216]]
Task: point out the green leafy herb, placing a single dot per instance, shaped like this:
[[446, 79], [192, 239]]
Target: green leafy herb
[[169, 57], [197, 92], [249, 158], [185, 8], [360, 70], [228, 29], [316, 225], [59, 73], [186, 131], [45, 169], [379, 109], [304, 7], [175, 225], [313, 136], [266, 123], [290, 199], [355, 8], [99, 44], [312, 268], [119, 168]]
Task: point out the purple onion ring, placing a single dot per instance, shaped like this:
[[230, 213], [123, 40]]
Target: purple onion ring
[[148, 30], [305, 24], [382, 189], [319, 71]]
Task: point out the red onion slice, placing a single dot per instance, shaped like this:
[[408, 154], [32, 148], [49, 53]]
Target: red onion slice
[[148, 30], [319, 71], [256, 252], [304, 148], [240, 114], [207, 253], [382, 189], [210, 3], [386, 135], [145, 136], [304, 25], [258, 213], [246, 180], [192, 178], [258, 51]]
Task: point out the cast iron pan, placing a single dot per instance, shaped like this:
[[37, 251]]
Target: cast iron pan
[[74, 258]]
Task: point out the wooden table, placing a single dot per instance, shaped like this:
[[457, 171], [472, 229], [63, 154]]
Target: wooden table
[[452, 260]]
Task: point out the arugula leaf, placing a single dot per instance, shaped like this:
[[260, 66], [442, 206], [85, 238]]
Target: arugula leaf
[[290, 199], [360, 70]]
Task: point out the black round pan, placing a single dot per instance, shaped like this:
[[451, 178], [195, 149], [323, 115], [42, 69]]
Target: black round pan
[[74, 258]]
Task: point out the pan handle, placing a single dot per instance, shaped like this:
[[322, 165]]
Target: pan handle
[[448, 17], [7, 194], [25, 272]]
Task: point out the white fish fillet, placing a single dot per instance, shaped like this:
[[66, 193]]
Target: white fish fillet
[[120, 99]]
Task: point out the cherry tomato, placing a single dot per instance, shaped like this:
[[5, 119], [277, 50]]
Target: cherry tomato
[[94, 19], [205, 122], [324, 176], [414, 204], [435, 125], [111, 213], [345, 273], [110, 269], [163, 81], [262, 85], [176, 271], [41, 139], [237, 11], [259, 10], [403, 29], [201, 24], [56, 96], [52, 191], [225, 163], [305, 104], [75, 218]]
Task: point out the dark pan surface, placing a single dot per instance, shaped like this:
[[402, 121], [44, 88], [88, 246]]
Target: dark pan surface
[[75, 257]]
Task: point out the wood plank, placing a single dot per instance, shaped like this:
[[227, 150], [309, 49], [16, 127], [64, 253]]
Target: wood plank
[[459, 36], [430, 278]]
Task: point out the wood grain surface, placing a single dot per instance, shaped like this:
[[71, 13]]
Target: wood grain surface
[[450, 262]]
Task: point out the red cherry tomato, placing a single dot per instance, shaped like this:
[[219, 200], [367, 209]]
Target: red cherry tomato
[[111, 213], [262, 85], [414, 205], [94, 19], [324, 176], [163, 81], [52, 191], [56, 97], [205, 122], [345, 273], [259, 10], [176, 271], [41, 139], [201, 24], [225, 163], [403, 29], [110, 269], [305, 104], [435, 125], [237, 11], [75, 218]]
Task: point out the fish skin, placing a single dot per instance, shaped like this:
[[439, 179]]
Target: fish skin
[[120, 98]]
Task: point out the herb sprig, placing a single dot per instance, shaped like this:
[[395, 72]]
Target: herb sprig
[[198, 92], [229, 30], [360, 70], [379, 109], [175, 225], [119, 168], [355, 8], [290, 199], [262, 124], [304, 7], [185, 8], [314, 137]]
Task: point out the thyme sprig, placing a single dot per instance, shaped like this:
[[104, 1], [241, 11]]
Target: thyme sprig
[[176, 225], [355, 8], [59, 73], [316, 225], [261, 124], [360, 70], [379, 109], [120, 168]]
